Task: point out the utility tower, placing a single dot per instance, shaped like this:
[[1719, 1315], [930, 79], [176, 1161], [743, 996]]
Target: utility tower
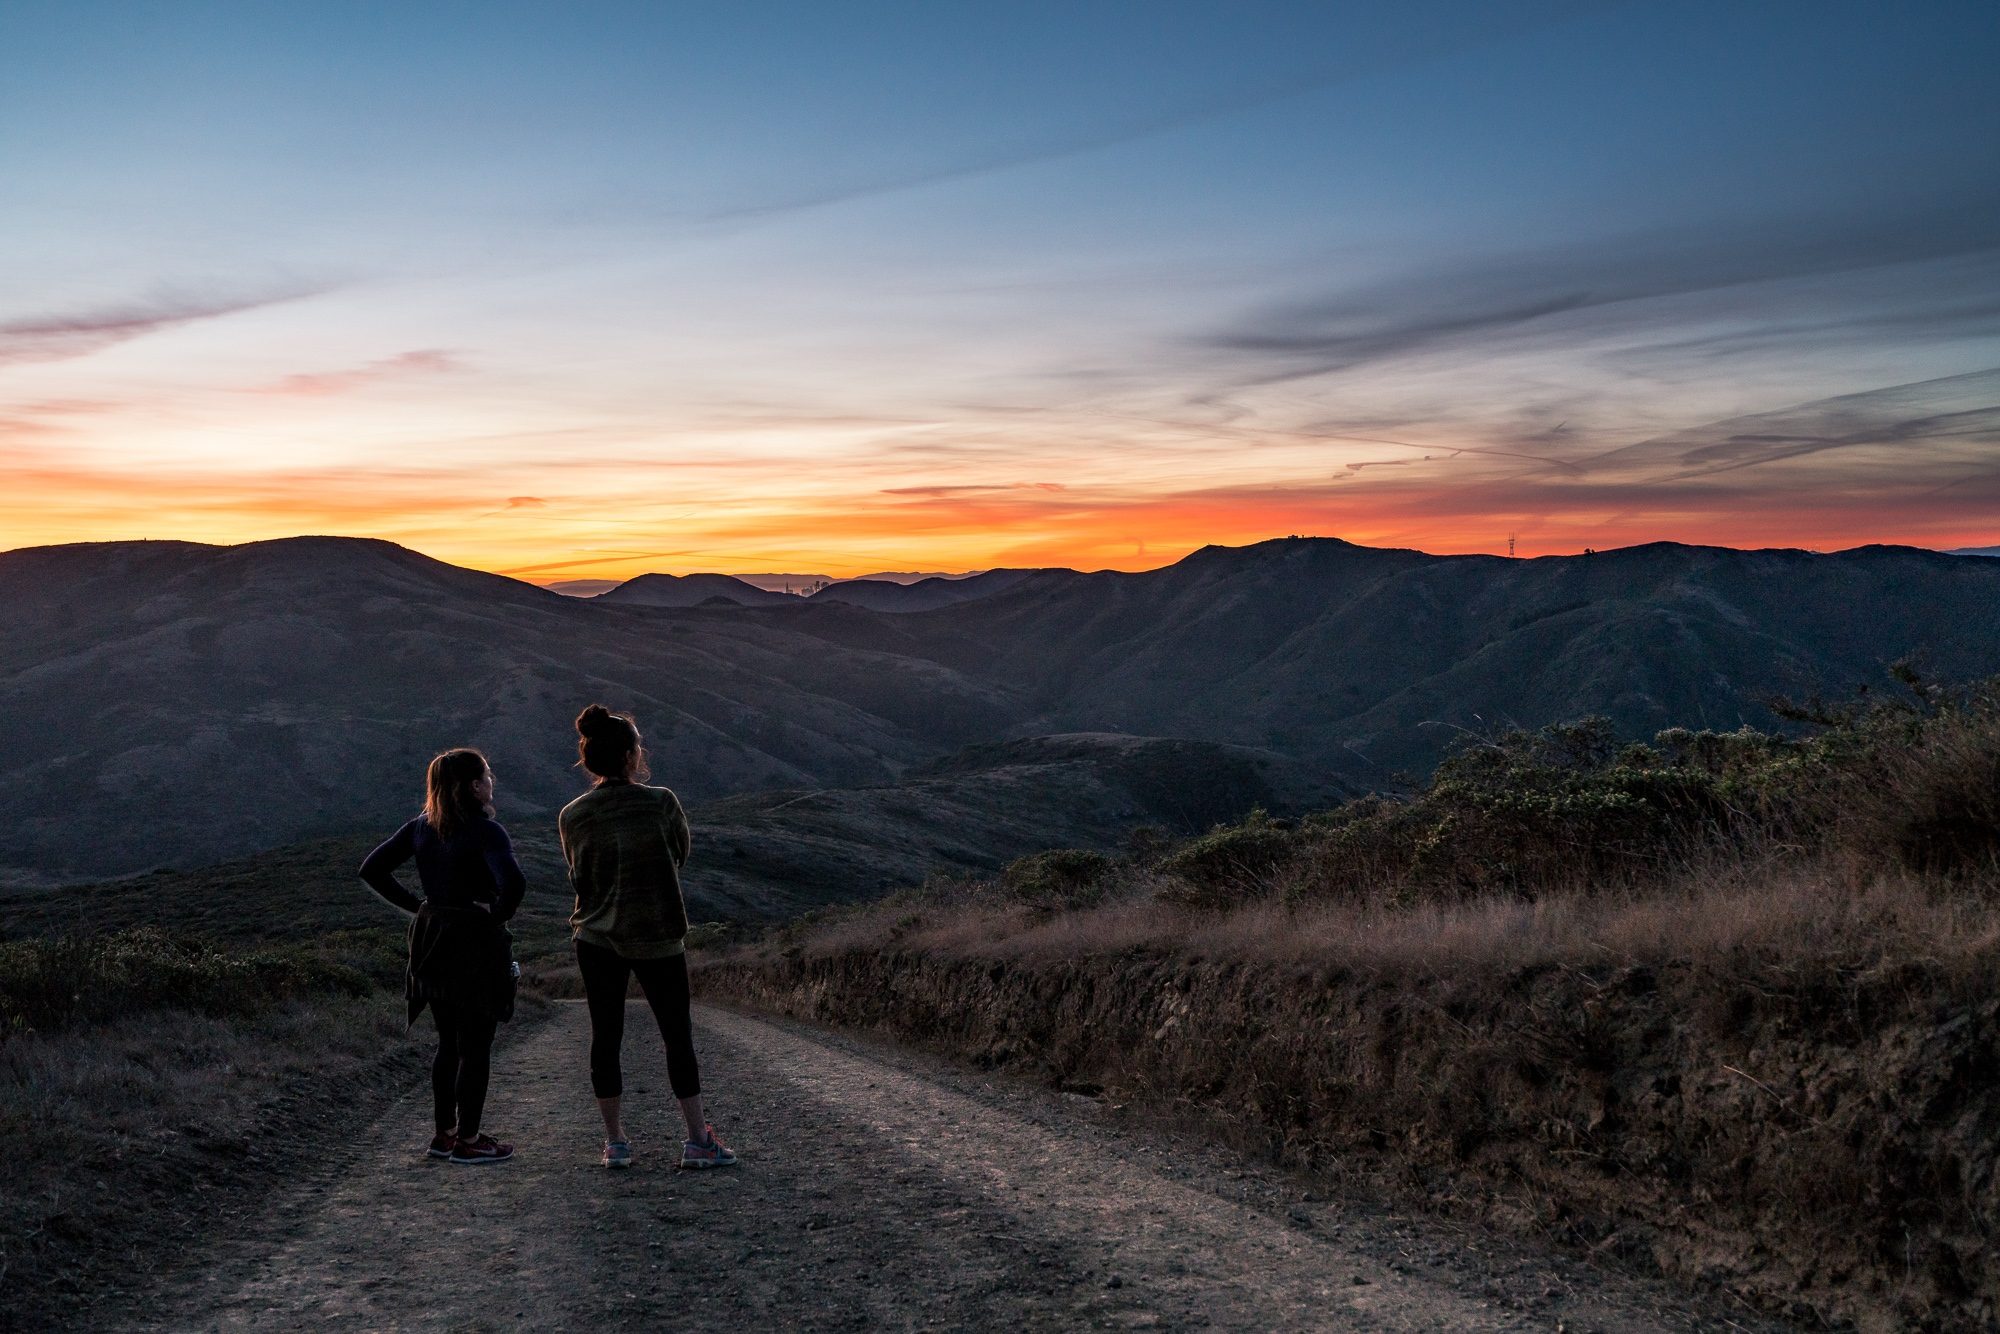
[[1510, 546]]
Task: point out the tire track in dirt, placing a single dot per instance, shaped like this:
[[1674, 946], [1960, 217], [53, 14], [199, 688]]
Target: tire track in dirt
[[878, 1190]]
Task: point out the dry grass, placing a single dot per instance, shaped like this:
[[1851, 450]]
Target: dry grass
[[49, 984], [1723, 1004], [152, 1088], [1783, 910], [126, 1140]]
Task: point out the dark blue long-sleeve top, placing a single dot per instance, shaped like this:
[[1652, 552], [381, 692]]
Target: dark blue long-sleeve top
[[474, 867]]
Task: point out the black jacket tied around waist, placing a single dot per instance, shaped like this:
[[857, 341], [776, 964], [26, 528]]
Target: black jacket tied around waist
[[461, 959]]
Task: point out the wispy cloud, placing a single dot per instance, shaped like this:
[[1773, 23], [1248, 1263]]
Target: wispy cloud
[[1445, 33], [64, 335], [1509, 296], [42, 418], [1934, 427], [971, 490], [404, 365]]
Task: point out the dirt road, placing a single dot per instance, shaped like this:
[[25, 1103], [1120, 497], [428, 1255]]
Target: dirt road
[[877, 1190]]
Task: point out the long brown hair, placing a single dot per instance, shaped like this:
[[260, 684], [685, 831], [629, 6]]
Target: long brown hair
[[449, 804], [608, 744]]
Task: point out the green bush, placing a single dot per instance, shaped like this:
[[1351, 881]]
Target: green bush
[[58, 982], [707, 935], [1061, 878], [1230, 863], [1911, 781]]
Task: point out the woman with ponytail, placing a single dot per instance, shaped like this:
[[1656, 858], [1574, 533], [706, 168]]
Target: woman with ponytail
[[461, 957], [625, 843]]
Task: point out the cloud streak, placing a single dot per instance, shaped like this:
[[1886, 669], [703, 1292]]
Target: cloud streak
[[1927, 424], [1495, 22], [1508, 296], [404, 365], [63, 336]]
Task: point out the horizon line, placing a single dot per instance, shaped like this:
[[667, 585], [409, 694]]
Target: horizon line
[[551, 583]]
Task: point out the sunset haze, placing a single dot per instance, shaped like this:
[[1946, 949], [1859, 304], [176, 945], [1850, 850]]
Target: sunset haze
[[587, 292]]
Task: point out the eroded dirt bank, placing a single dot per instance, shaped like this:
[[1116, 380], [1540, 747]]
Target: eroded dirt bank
[[878, 1190], [1821, 1144]]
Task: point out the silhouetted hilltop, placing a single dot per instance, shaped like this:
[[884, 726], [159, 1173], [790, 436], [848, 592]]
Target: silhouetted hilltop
[[926, 594], [691, 590], [168, 703], [1323, 649]]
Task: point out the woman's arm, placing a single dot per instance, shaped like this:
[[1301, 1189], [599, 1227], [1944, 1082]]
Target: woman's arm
[[679, 839], [507, 873], [379, 868]]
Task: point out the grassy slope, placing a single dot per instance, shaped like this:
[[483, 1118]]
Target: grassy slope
[[1725, 1007], [148, 1132], [155, 1088]]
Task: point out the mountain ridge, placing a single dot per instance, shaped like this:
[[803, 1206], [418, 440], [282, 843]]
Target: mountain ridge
[[162, 702]]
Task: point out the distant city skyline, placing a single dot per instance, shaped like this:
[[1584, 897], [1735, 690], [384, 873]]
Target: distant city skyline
[[585, 292]]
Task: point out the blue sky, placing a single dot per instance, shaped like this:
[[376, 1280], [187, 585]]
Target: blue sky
[[595, 288]]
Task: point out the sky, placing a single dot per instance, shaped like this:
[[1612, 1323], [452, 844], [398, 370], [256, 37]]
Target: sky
[[583, 290]]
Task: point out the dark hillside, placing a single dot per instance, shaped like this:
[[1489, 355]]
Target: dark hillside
[[1333, 652], [691, 590], [926, 594], [770, 855], [758, 857], [163, 703]]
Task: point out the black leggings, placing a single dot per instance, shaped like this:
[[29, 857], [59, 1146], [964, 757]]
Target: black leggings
[[459, 1070], [606, 974]]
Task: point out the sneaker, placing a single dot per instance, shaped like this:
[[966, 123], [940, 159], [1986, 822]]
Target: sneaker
[[441, 1144], [617, 1153], [712, 1154], [476, 1152]]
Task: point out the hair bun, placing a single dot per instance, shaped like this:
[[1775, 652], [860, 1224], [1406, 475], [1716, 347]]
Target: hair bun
[[593, 721]]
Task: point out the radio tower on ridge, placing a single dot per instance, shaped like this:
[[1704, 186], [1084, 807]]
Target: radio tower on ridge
[[1510, 546]]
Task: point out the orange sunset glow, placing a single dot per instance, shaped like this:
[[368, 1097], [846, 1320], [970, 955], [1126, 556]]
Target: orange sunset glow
[[785, 319], [833, 499]]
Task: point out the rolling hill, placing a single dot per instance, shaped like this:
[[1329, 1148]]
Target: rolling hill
[[936, 591], [690, 590], [1376, 660], [761, 856], [169, 704], [165, 704]]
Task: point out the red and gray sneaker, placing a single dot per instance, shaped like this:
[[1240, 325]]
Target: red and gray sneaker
[[477, 1152], [441, 1144], [712, 1154]]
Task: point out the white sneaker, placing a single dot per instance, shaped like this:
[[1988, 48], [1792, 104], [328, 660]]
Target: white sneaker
[[712, 1154]]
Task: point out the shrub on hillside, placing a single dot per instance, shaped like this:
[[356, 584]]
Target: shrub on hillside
[[1927, 796], [1061, 878], [57, 982], [1909, 783], [1230, 864], [1569, 808], [1528, 813]]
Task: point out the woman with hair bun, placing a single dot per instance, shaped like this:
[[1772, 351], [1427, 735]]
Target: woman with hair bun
[[461, 956], [625, 843]]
